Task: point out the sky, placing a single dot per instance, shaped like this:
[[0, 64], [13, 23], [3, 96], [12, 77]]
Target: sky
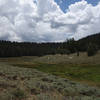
[[64, 4], [48, 20]]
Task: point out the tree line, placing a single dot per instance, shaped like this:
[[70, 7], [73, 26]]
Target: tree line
[[90, 44]]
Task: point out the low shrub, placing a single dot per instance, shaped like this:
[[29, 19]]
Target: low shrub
[[19, 94]]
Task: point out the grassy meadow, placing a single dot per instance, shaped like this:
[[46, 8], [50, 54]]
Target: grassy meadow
[[83, 68], [51, 77]]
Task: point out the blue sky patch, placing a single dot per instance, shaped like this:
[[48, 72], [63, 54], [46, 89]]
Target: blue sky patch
[[65, 3]]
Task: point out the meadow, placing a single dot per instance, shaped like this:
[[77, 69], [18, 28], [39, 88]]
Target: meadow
[[82, 69], [51, 77]]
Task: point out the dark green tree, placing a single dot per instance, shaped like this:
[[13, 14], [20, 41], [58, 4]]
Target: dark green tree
[[92, 49]]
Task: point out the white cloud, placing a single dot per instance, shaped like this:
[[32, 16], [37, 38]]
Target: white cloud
[[43, 20]]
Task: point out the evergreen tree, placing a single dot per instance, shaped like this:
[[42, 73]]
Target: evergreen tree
[[91, 49]]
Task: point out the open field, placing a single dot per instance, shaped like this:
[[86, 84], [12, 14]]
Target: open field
[[50, 77], [83, 68], [29, 84]]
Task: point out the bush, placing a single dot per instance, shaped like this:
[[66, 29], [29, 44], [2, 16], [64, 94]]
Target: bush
[[18, 94], [91, 49]]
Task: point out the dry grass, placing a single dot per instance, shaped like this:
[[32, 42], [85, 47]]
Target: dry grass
[[20, 73]]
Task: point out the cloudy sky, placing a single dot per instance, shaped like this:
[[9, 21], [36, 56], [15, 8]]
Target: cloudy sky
[[48, 20]]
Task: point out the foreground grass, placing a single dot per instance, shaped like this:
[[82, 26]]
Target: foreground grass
[[18, 83]]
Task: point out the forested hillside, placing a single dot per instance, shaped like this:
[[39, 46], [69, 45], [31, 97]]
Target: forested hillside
[[14, 49]]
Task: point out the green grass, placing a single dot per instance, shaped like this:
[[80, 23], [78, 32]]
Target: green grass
[[88, 73], [79, 72]]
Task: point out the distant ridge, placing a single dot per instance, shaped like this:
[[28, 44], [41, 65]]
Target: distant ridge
[[94, 39], [16, 49]]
